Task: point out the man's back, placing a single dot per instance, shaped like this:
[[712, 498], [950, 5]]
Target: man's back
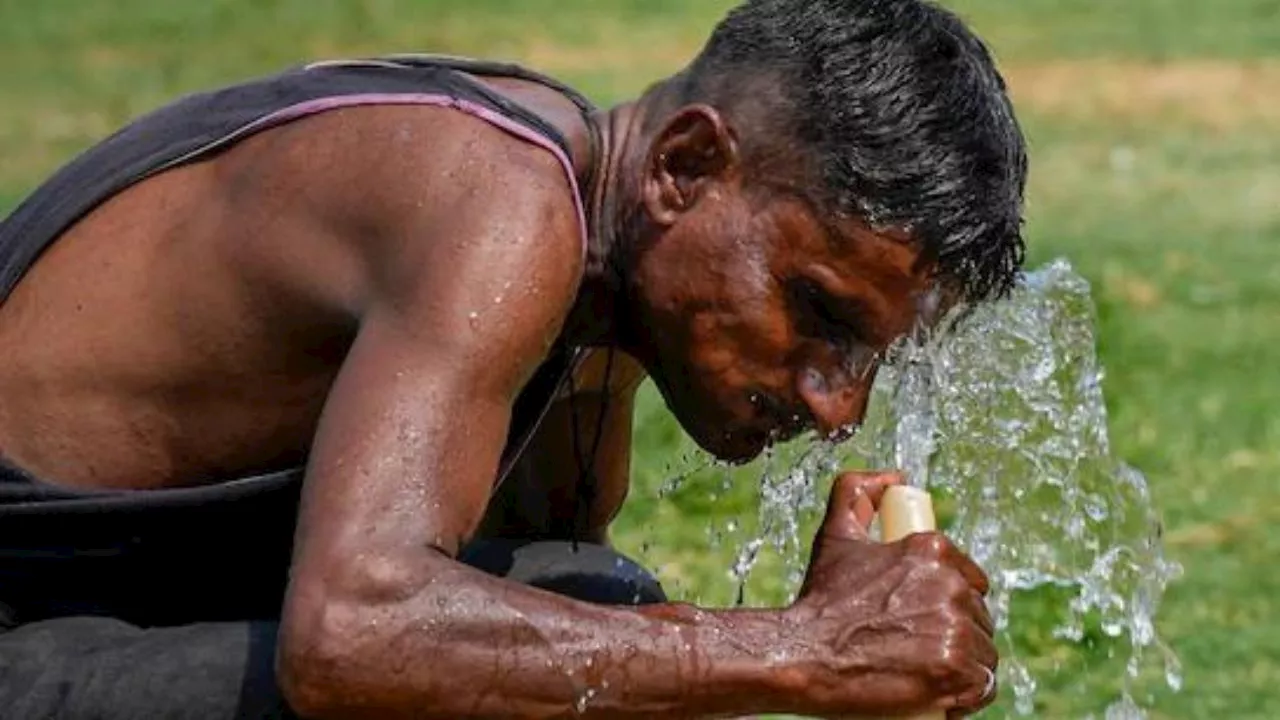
[[187, 330]]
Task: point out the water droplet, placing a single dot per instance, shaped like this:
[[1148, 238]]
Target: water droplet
[[584, 700], [1173, 672]]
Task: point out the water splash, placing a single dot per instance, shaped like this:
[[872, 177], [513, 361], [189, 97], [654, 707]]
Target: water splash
[[761, 522], [1002, 417], [787, 496]]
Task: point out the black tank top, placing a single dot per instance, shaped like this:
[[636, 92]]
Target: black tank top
[[217, 552]]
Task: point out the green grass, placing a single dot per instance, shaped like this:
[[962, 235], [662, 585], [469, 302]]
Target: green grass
[[1156, 29], [1172, 213]]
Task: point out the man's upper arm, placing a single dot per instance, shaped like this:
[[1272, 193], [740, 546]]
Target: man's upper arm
[[465, 299]]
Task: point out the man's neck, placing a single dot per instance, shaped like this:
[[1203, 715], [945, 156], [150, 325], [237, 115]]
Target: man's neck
[[598, 315]]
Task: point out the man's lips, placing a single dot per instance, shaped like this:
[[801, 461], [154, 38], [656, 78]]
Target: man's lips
[[792, 426], [779, 422]]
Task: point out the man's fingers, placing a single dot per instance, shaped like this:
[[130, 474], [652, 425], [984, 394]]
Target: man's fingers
[[983, 651], [983, 690], [977, 607], [973, 574], [855, 496]]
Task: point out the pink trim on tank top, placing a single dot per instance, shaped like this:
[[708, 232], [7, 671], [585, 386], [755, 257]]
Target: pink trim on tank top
[[311, 107]]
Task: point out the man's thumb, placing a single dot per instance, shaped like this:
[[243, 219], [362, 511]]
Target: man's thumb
[[855, 497]]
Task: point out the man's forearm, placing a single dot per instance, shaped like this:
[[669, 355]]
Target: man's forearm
[[467, 645]]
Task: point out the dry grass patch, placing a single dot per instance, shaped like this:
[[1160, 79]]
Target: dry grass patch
[[1219, 95], [635, 57]]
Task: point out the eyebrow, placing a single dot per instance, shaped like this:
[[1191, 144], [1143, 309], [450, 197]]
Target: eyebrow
[[849, 314]]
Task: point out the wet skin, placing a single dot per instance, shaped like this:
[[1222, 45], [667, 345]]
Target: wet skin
[[145, 350]]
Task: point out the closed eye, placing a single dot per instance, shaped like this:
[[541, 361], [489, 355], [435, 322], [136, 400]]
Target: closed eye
[[822, 316]]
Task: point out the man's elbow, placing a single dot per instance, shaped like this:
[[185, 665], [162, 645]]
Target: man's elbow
[[314, 660], [333, 663], [333, 660], [334, 657]]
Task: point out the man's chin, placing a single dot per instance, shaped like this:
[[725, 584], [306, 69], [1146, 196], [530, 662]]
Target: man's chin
[[732, 448], [736, 446]]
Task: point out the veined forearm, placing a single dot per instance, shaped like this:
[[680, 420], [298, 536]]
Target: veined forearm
[[467, 645]]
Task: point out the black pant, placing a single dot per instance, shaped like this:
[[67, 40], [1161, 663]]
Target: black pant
[[78, 668]]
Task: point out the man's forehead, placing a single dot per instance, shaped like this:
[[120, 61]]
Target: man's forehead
[[890, 265], [889, 258], [888, 261]]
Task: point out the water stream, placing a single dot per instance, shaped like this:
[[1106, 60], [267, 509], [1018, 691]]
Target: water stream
[[1002, 418]]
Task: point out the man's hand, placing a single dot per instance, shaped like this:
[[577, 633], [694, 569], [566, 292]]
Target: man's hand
[[897, 628]]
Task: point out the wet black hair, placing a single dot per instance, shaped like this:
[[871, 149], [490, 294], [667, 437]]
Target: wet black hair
[[899, 110]]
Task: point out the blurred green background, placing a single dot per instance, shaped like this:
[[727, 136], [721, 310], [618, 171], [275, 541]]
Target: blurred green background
[[1155, 140]]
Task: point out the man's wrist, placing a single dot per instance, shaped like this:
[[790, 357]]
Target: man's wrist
[[757, 660]]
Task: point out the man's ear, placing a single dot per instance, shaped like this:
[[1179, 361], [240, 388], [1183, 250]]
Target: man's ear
[[693, 147]]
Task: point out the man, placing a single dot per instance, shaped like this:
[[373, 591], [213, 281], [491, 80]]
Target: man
[[409, 300]]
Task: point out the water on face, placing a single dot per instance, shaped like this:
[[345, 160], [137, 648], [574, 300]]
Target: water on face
[[1002, 418]]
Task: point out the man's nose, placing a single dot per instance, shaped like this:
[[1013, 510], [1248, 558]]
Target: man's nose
[[837, 408]]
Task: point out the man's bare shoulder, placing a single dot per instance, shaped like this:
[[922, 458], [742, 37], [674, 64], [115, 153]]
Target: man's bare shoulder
[[416, 189]]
